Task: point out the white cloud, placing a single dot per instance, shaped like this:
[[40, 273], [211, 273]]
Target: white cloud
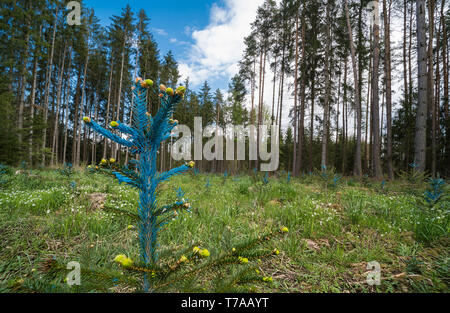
[[178, 42], [218, 47], [160, 31]]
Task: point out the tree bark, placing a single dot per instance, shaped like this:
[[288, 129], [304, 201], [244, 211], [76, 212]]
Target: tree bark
[[357, 166], [388, 75], [421, 118], [327, 88], [47, 89], [23, 77], [108, 105], [33, 100], [294, 163], [66, 110], [430, 85], [116, 151], [58, 104], [301, 128]]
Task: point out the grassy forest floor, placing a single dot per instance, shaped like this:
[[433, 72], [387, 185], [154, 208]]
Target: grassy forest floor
[[335, 229]]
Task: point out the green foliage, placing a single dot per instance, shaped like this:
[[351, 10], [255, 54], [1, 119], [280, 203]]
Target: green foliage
[[8, 133], [433, 214], [329, 234], [414, 177], [4, 172], [413, 265], [329, 178]]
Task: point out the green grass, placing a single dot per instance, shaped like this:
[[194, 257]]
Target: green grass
[[333, 232]]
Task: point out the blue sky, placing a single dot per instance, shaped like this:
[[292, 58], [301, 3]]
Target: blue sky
[[206, 36]]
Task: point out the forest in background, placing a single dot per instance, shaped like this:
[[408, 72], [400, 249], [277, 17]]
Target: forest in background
[[339, 70]]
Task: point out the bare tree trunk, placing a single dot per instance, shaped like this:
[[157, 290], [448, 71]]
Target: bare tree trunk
[[105, 142], [66, 110], [281, 92], [430, 86], [311, 122], [32, 102], [409, 140], [405, 70], [388, 74], [421, 119], [47, 89], [445, 73], [261, 104], [274, 90], [58, 104], [294, 163], [253, 86], [261, 53], [132, 101], [338, 101], [368, 113], [358, 166], [301, 124], [116, 151], [23, 77], [76, 119], [94, 139], [327, 88], [437, 99], [82, 101], [344, 119]]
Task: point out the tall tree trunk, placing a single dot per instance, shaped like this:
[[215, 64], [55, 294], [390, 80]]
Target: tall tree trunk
[[388, 74], [430, 85], [421, 119], [94, 139], [108, 105], [327, 88], [358, 165], [294, 163], [47, 88], [410, 140], [76, 118], [437, 99], [405, 74], [261, 96], [301, 128], [253, 86], [283, 69], [445, 97], [344, 119], [66, 110], [274, 90], [33, 100], [58, 104], [338, 101], [116, 152], [82, 101], [368, 111], [311, 122], [23, 77]]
